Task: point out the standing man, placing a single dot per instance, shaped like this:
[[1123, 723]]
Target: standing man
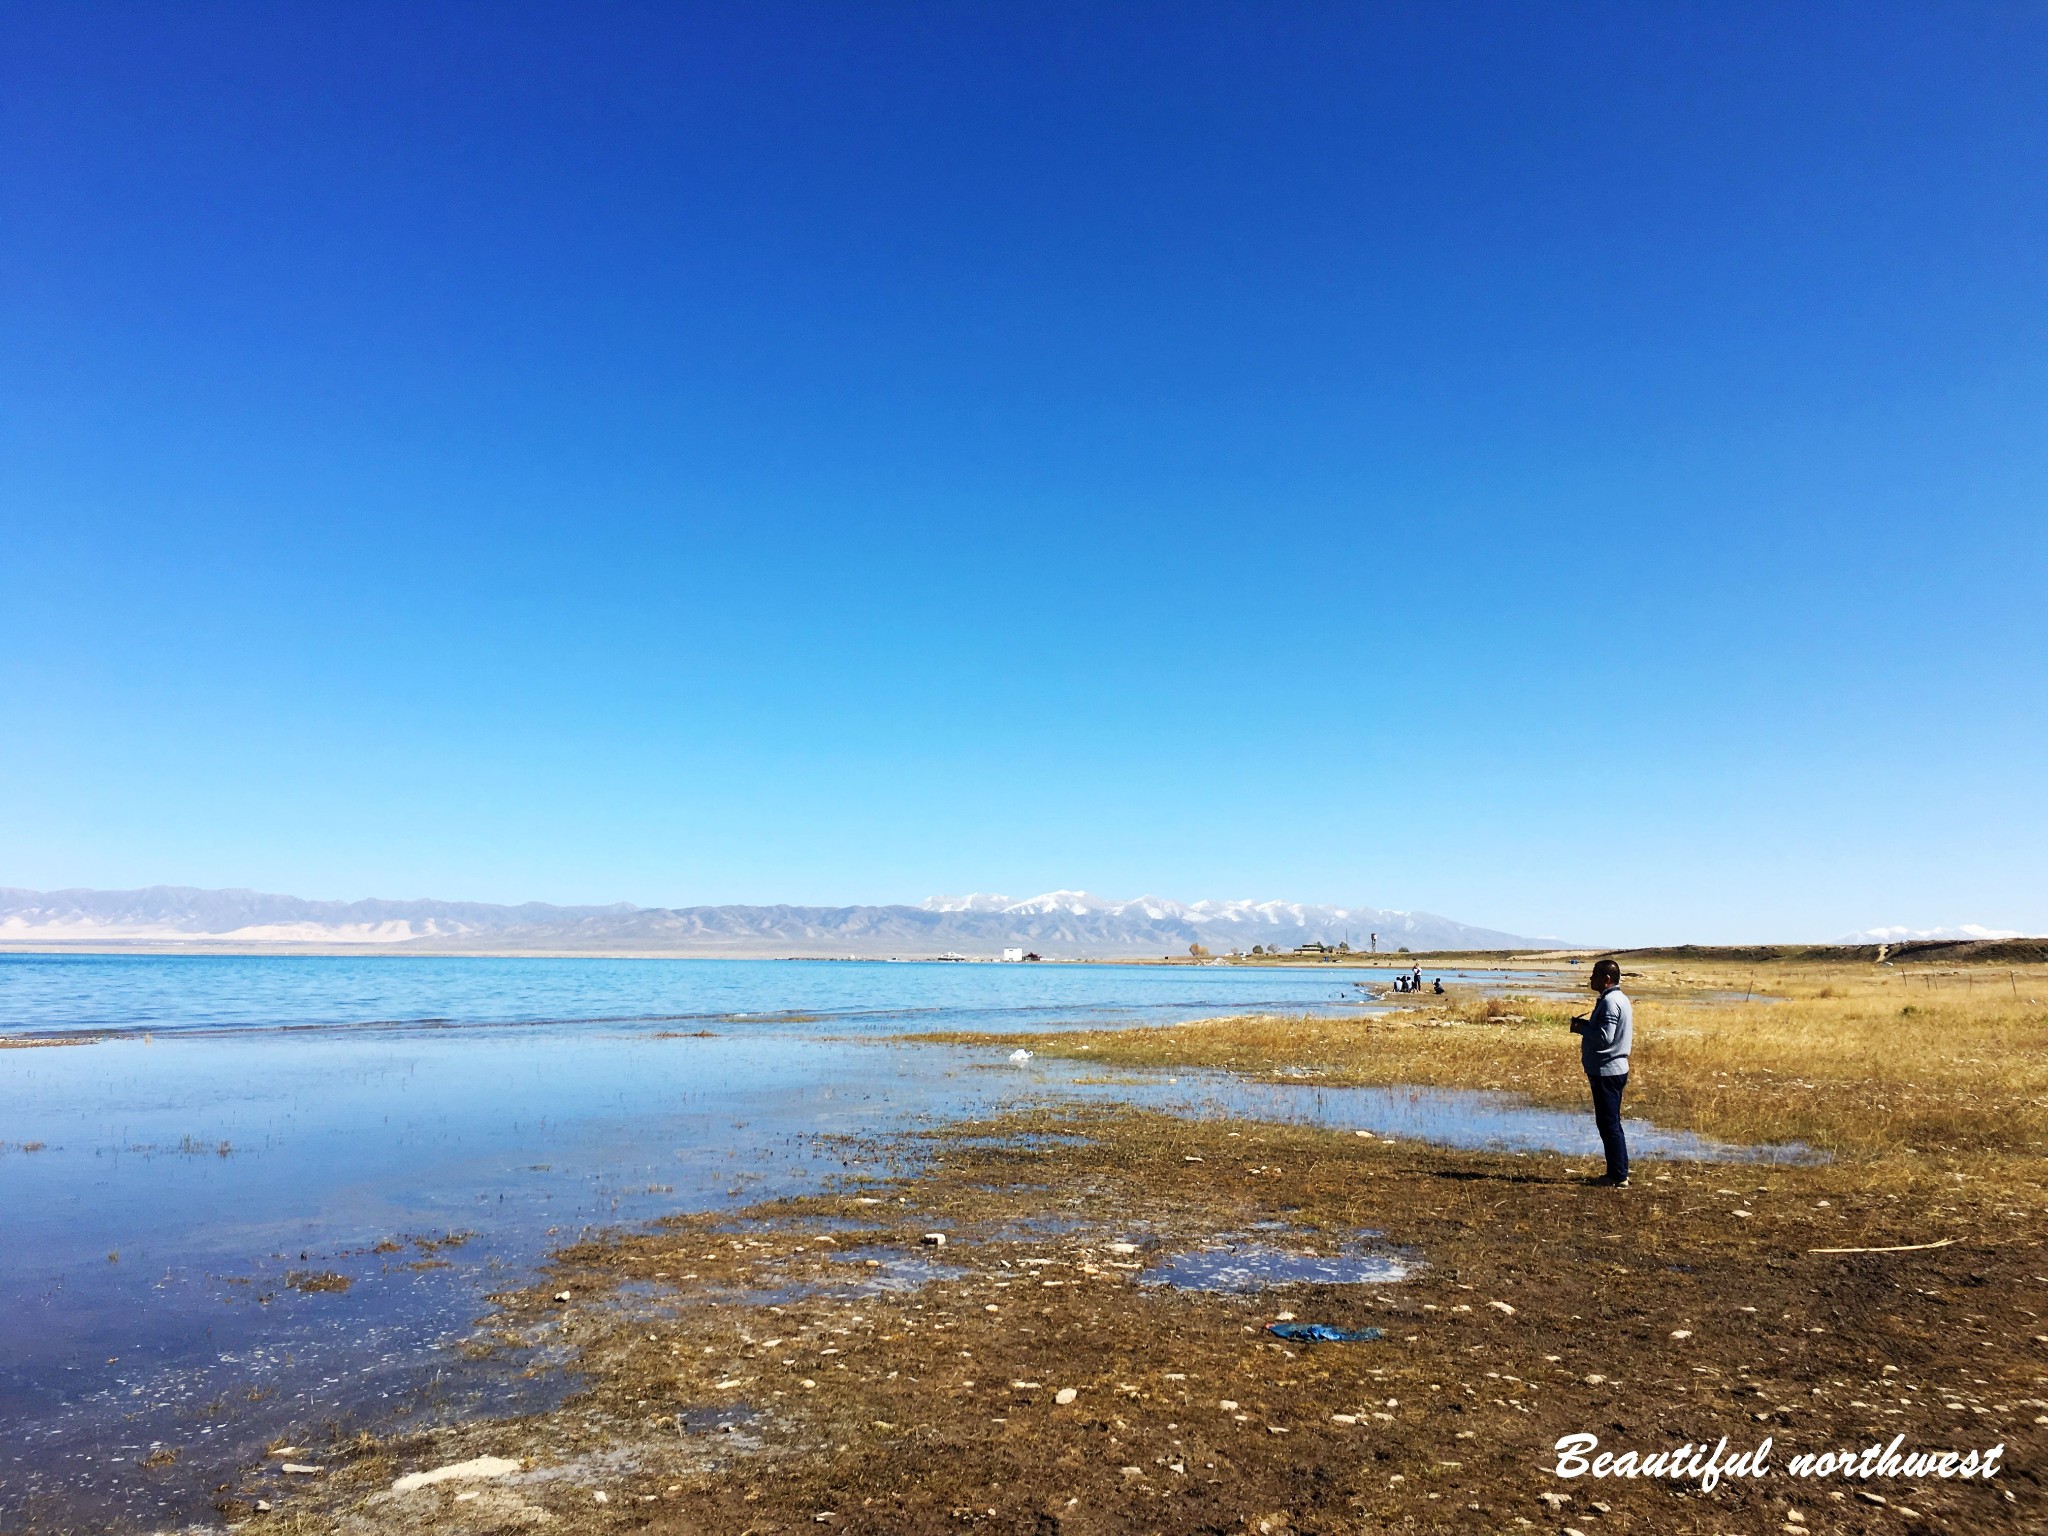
[[1605, 1036]]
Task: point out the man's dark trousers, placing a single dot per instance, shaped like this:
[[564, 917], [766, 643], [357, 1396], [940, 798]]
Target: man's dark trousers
[[1607, 1093]]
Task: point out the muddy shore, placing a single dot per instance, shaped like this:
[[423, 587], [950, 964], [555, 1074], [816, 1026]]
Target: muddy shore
[[797, 1369], [825, 1363]]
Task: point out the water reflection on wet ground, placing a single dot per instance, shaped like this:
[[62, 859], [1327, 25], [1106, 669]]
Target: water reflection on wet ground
[[1253, 1264], [888, 1269], [1447, 1117]]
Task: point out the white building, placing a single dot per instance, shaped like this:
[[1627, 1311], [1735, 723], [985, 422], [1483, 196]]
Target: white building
[[1014, 955]]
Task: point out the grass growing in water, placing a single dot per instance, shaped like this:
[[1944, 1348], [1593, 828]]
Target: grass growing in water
[[1867, 1062]]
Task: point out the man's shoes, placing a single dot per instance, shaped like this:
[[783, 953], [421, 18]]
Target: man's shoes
[[1609, 1181]]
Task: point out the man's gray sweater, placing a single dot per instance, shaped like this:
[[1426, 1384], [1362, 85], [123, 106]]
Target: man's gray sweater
[[1609, 1033]]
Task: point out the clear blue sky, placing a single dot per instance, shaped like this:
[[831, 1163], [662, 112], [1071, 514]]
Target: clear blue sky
[[1577, 468]]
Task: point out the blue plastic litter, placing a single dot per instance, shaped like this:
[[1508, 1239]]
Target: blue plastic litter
[[1322, 1333]]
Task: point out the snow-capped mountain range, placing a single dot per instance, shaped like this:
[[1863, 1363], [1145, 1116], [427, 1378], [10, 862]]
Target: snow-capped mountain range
[[1145, 923], [1064, 924], [1235, 915]]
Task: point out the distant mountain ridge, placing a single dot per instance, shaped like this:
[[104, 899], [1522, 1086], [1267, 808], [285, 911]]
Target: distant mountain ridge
[[1059, 924], [1902, 935]]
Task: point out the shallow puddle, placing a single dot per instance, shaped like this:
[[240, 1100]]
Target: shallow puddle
[[1031, 1229], [1261, 1266], [887, 1269], [1465, 1118]]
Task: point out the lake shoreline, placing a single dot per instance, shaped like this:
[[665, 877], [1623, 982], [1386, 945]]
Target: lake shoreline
[[734, 1381]]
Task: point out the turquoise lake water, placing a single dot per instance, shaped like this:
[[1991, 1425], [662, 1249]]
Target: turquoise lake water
[[52, 993]]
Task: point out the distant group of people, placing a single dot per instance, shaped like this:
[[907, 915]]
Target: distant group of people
[[1411, 981]]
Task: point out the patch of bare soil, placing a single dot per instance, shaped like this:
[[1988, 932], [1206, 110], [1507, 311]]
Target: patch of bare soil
[[818, 1365]]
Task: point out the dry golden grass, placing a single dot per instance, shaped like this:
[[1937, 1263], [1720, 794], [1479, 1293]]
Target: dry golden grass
[[1867, 1062]]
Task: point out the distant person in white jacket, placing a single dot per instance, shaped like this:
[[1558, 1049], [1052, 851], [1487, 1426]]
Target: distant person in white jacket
[[1606, 1036]]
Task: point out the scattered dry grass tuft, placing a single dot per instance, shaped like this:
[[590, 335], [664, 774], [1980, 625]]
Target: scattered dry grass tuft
[[317, 1282]]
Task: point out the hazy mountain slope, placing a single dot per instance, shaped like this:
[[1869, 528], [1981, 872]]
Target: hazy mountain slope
[[175, 911], [1062, 923]]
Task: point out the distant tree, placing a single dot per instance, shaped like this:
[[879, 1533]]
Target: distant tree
[[1345, 945], [1198, 952], [1258, 949], [1402, 950]]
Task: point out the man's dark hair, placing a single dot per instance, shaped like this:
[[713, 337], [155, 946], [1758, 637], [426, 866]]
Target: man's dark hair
[[1607, 970]]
